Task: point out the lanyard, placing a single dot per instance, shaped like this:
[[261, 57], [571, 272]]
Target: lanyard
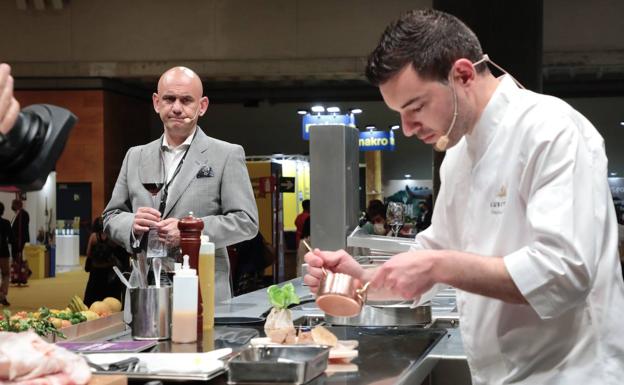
[[163, 198]]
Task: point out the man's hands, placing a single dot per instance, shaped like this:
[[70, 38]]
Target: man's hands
[[147, 217], [168, 231], [9, 107], [144, 218], [408, 274], [337, 261]]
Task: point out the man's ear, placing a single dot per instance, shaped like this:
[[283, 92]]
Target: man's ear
[[155, 100], [464, 71], [203, 103]]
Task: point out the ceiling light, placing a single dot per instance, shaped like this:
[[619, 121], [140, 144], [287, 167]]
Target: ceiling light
[[395, 127], [355, 111], [407, 176], [370, 127], [302, 112], [318, 109], [333, 110]]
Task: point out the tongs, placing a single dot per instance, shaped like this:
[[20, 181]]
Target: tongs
[[126, 365]]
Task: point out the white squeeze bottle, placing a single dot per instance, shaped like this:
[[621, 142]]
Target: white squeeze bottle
[[184, 312]]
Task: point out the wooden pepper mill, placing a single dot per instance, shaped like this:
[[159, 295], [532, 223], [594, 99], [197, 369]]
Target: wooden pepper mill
[[190, 240]]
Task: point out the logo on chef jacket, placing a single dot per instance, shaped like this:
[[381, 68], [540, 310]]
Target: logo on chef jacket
[[498, 203]]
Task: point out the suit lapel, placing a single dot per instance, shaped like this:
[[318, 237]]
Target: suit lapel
[[192, 164]]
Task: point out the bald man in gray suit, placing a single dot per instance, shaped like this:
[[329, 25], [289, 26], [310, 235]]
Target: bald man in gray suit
[[202, 174]]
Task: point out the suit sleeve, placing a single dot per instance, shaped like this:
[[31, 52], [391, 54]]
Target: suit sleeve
[[238, 220], [118, 215]]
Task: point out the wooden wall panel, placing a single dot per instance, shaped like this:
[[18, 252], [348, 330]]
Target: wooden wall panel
[[83, 157], [127, 124]]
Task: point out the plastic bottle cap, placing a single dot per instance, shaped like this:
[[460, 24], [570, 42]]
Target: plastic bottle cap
[[186, 268], [177, 266], [204, 238]]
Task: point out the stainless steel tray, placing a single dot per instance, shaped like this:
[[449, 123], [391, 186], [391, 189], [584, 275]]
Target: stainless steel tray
[[278, 364]]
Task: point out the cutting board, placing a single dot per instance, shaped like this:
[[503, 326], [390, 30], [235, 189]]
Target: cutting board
[[112, 379]]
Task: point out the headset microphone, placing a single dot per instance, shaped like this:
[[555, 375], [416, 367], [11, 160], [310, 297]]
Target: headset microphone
[[443, 141], [189, 120]]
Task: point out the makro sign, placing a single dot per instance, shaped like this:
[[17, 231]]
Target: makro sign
[[376, 140], [309, 120]]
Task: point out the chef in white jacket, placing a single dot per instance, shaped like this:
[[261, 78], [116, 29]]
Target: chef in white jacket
[[523, 226]]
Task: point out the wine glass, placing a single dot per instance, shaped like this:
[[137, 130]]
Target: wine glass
[[153, 180], [395, 216]]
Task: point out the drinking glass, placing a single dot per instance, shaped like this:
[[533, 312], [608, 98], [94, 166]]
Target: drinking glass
[[395, 216], [153, 180]]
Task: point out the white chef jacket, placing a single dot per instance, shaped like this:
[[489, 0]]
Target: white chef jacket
[[529, 184]]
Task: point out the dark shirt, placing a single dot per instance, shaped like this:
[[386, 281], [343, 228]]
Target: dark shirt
[[6, 238], [21, 235]]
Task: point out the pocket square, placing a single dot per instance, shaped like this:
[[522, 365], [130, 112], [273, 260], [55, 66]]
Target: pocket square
[[205, 172]]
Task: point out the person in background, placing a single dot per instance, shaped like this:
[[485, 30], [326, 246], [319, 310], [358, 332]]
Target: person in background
[[251, 258], [9, 107], [424, 216], [302, 249], [523, 226], [102, 255], [201, 174], [19, 227], [376, 215], [300, 220], [6, 238]]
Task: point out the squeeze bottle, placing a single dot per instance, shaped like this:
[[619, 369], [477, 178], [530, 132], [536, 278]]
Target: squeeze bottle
[[184, 312], [207, 280]]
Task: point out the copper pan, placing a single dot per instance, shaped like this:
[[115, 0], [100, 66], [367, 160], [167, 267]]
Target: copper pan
[[340, 295]]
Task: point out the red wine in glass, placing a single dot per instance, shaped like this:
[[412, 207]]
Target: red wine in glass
[[153, 188]]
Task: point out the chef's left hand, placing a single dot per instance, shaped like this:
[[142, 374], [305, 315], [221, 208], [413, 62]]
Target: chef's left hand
[[407, 274], [168, 231]]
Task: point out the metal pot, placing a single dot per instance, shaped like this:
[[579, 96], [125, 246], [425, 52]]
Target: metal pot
[[391, 314]]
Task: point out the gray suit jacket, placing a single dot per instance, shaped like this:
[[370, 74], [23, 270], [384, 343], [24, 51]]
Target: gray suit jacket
[[222, 197]]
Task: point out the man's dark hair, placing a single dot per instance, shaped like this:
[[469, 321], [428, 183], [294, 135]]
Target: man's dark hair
[[428, 39], [306, 205]]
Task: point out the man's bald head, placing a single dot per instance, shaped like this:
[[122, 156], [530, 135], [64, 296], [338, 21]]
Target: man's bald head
[[180, 74]]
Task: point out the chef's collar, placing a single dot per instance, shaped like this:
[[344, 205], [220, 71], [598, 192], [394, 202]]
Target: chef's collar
[[485, 129], [186, 144]]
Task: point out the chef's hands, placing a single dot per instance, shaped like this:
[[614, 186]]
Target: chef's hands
[[9, 107], [408, 274], [336, 261]]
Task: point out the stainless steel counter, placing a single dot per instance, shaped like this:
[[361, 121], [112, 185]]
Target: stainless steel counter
[[395, 361]]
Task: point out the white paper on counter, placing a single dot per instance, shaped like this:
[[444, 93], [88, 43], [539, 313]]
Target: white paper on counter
[[207, 362]]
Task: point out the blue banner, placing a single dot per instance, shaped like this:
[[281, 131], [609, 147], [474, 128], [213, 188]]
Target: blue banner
[[377, 140], [311, 119]]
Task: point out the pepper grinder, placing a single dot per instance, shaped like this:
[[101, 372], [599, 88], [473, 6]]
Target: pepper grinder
[[190, 240]]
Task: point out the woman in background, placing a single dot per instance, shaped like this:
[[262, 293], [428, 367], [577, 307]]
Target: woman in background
[[102, 255]]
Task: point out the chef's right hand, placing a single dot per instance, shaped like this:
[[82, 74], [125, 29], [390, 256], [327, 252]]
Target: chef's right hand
[[144, 218], [337, 261]]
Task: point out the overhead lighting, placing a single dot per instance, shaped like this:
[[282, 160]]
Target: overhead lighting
[[613, 174], [395, 127], [318, 109], [355, 111], [407, 176], [370, 127], [333, 110], [302, 112], [622, 123]]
